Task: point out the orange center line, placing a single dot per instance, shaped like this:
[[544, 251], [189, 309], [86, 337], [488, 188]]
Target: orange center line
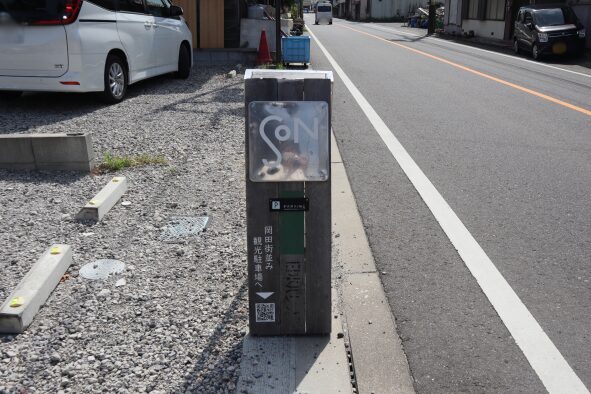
[[479, 73]]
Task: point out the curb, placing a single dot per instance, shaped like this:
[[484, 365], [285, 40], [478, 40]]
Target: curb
[[62, 151], [379, 360]]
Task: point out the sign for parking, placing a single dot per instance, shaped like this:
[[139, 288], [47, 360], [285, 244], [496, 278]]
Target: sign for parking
[[288, 141]]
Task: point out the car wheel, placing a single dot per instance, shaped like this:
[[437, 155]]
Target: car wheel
[[535, 52], [9, 95], [330, 23], [184, 69], [516, 47], [116, 80]]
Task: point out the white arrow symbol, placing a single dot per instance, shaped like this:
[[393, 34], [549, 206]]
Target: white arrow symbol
[[265, 295]]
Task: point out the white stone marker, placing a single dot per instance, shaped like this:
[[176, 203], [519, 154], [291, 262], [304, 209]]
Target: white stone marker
[[18, 311], [98, 207]]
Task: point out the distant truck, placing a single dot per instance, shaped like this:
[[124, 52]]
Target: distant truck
[[307, 5]]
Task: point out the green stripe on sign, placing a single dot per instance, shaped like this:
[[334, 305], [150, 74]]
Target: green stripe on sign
[[291, 227]]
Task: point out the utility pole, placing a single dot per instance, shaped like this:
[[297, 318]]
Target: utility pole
[[278, 7], [431, 24]]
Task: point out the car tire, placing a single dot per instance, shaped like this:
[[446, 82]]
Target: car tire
[[535, 52], [10, 95], [184, 69], [516, 48], [330, 23], [116, 80]]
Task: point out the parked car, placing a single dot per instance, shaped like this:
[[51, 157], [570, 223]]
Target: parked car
[[546, 29], [323, 12], [90, 45]]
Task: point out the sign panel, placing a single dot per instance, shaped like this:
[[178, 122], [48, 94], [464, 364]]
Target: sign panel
[[288, 141], [289, 204]]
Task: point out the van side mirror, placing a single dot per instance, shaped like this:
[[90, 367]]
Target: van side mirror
[[175, 10]]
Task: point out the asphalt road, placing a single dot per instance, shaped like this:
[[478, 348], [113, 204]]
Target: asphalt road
[[507, 143]]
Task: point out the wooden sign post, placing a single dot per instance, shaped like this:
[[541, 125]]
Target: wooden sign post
[[288, 201]]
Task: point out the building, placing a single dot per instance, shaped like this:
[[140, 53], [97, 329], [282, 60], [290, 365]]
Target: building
[[495, 18], [393, 9], [214, 23], [379, 9]]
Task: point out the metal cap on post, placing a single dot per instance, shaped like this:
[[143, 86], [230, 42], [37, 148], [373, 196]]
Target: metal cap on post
[[288, 201]]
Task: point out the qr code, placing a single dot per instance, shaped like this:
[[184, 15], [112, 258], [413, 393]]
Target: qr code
[[265, 313]]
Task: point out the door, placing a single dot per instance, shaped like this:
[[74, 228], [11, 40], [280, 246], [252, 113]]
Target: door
[[527, 30], [518, 28], [136, 33], [167, 33]]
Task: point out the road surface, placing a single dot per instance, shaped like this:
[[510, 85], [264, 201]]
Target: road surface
[[480, 220]]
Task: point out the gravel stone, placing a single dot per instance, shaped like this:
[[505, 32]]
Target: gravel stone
[[168, 329]]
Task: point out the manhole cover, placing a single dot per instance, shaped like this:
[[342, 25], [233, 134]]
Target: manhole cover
[[179, 228], [101, 269]]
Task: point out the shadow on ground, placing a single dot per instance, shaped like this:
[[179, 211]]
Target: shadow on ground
[[37, 177], [210, 364], [39, 109]]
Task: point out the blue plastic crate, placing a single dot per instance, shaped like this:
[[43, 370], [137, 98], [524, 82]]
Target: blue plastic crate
[[296, 49]]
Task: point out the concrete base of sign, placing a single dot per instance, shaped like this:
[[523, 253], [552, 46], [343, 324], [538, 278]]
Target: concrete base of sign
[[102, 203], [18, 311], [319, 364], [380, 362], [69, 152], [296, 364]]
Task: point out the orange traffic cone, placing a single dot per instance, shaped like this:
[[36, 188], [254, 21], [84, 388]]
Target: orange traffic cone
[[264, 56]]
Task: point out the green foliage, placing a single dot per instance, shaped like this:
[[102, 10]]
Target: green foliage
[[272, 67], [112, 163]]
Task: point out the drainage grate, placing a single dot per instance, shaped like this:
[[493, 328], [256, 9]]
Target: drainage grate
[[352, 373], [182, 227], [101, 269]]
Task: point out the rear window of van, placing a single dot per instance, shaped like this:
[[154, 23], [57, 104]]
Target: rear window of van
[[26, 11]]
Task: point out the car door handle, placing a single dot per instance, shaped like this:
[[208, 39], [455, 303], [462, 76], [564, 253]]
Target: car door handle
[[148, 25]]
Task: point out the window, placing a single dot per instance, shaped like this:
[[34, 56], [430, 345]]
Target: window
[[527, 18], [33, 11], [110, 5], [324, 8], [486, 9], [473, 9], [495, 10], [555, 17], [157, 8], [132, 6]]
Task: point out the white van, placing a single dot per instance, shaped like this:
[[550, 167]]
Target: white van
[[90, 45], [323, 13]]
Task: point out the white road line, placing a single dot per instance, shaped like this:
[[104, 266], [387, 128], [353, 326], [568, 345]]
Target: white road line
[[545, 359], [445, 42]]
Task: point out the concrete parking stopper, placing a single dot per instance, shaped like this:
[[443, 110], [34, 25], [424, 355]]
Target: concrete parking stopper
[[61, 151], [19, 310], [102, 203], [288, 221]]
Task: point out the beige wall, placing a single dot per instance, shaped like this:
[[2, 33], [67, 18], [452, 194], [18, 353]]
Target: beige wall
[[190, 14], [211, 24], [485, 28]]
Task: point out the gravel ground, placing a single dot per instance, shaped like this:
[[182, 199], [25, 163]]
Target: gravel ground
[[178, 322]]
